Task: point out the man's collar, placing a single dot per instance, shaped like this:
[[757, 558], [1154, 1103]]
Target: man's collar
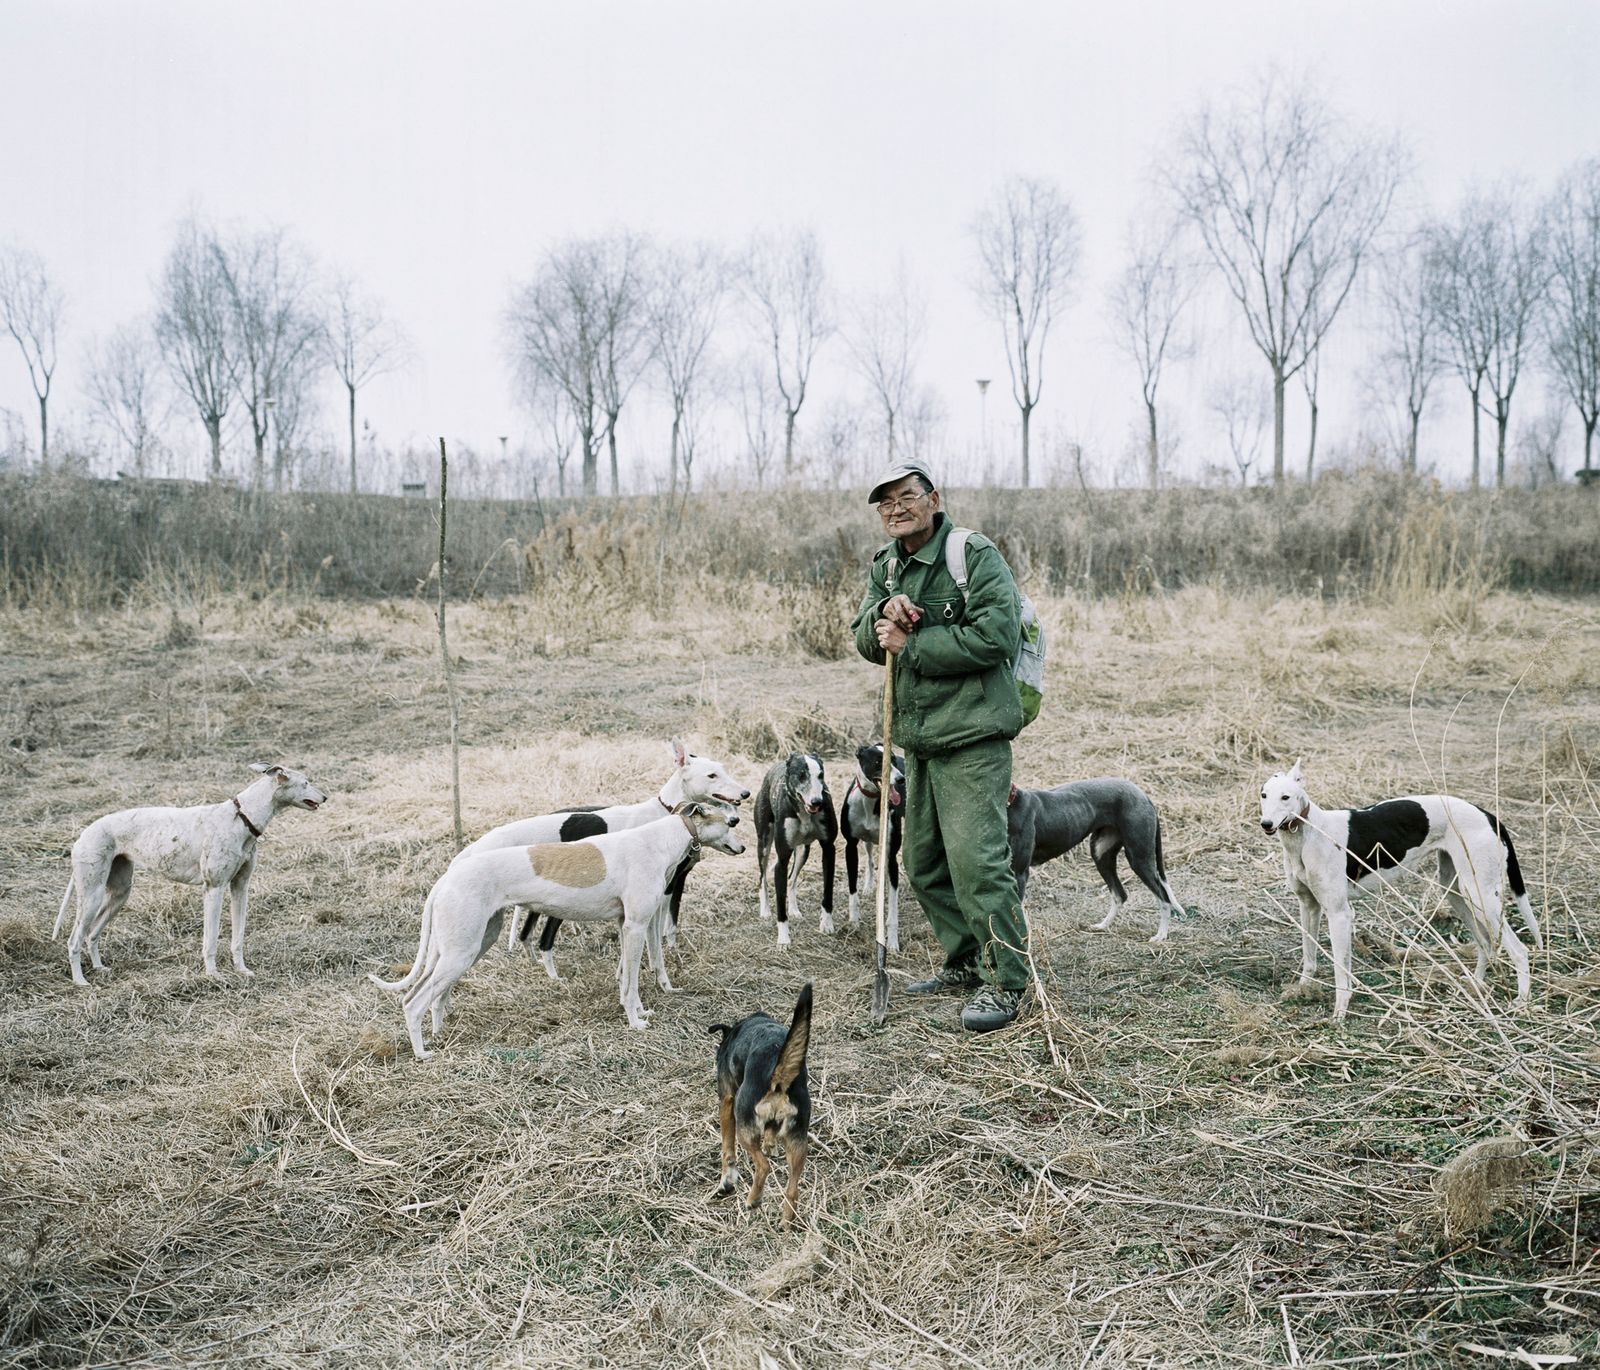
[[933, 549]]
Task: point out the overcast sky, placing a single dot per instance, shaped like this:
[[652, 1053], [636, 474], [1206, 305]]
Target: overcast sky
[[435, 150]]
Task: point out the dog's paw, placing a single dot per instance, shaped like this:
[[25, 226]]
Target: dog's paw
[[246, 972], [730, 1182], [825, 924], [1159, 936]]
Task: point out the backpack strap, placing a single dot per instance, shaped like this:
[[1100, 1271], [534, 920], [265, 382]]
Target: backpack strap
[[955, 558]]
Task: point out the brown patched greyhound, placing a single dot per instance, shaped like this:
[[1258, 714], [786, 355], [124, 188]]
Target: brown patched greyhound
[[615, 875], [764, 1098]]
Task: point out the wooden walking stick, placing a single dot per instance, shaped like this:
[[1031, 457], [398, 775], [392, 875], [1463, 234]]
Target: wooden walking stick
[[880, 977]]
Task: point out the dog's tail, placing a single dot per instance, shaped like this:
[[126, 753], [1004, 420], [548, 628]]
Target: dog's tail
[[1161, 867], [61, 913], [420, 964]]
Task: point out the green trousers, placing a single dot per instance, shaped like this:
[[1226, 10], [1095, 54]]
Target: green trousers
[[959, 861]]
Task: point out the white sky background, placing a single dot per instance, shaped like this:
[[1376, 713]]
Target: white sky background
[[436, 150]]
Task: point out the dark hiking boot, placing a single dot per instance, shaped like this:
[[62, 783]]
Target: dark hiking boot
[[990, 1008], [947, 980]]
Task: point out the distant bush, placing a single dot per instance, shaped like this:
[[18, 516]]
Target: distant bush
[[92, 543]]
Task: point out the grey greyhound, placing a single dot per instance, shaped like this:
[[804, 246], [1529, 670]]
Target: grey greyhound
[[1115, 815]]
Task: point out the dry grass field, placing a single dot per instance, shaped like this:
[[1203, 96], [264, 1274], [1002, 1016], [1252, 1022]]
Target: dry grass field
[[1173, 1163]]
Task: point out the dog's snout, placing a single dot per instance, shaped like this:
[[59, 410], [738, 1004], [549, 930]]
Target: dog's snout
[[733, 820], [1266, 825]]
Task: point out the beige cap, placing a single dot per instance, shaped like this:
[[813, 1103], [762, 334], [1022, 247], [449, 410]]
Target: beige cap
[[898, 472]]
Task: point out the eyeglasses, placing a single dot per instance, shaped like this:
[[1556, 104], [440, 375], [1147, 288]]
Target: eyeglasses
[[902, 504]]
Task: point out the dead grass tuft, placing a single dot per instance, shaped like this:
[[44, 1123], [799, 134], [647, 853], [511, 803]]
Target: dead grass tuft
[[1473, 1186]]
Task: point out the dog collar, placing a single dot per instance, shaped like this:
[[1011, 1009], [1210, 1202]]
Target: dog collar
[[1293, 824], [245, 818], [1011, 797], [861, 785], [663, 803], [694, 837]]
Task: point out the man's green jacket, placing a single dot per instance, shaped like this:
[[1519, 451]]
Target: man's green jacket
[[953, 685]]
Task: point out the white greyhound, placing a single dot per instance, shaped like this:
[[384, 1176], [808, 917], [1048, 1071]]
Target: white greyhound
[[593, 879], [213, 845], [694, 778], [1328, 854]]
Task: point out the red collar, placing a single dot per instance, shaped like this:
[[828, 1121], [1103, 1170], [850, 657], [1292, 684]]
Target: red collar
[[1293, 824], [245, 818], [1011, 796]]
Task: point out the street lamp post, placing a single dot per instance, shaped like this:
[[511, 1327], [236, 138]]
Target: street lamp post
[[983, 421]]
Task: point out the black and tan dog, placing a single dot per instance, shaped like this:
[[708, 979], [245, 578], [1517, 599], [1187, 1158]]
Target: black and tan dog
[[764, 1099]]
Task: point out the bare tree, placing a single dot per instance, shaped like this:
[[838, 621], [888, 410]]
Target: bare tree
[[885, 339], [1147, 303], [625, 345], [555, 327], [787, 290], [923, 421], [31, 305], [550, 406], [271, 327], [1572, 323], [192, 326], [1029, 248], [292, 406], [1411, 350], [361, 343], [759, 412], [1539, 442], [690, 289], [1243, 411], [1310, 382], [1287, 201], [124, 385], [1489, 279]]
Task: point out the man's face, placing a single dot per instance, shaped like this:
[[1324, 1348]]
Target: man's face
[[907, 510]]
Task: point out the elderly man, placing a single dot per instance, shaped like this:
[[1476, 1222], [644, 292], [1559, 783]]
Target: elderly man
[[955, 712]]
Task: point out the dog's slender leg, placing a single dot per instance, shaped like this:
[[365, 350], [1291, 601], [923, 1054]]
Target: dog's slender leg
[[762, 885], [91, 893], [730, 1173], [118, 886], [795, 1149], [852, 862], [1149, 875], [657, 956], [213, 929], [1341, 922], [825, 919], [547, 942], [797, 861], [239, 892], [676, 903], [633, 938], [1103, 848], [760, 1167], [1309, 918], [780, 880], [893, 931]]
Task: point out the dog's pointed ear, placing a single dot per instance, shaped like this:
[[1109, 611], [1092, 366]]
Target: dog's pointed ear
[[261, 768], [1294, 771], [680, 753], [793, 1055]]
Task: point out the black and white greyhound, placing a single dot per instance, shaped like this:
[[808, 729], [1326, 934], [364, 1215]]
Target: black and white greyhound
[[1116, 815], [1331, 854], [793, 810], [859, 817]]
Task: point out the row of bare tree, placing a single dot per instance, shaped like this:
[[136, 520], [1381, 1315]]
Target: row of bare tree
[[1273, 201], [602, 314], [242, 321], [1290, 205]]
